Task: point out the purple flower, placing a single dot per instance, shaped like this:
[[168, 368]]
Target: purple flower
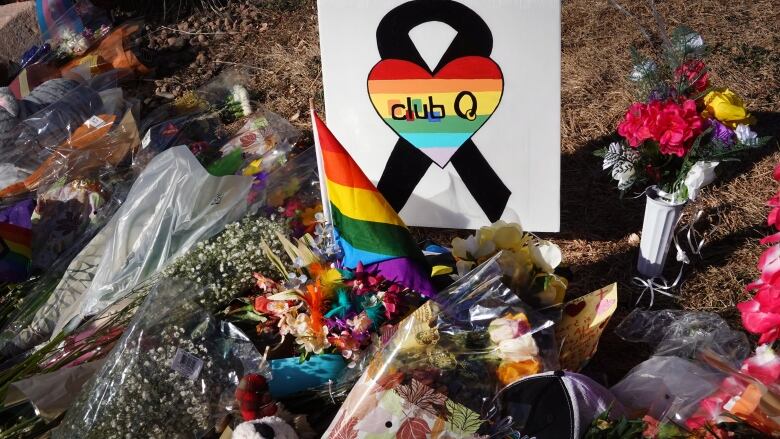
[[721, 132]]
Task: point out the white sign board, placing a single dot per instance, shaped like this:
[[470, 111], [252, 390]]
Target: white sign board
[[451, 107]]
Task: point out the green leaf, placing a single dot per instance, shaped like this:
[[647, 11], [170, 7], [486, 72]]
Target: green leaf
[[461, 419]]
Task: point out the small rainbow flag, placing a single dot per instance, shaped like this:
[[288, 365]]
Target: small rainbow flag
[[368, 229]]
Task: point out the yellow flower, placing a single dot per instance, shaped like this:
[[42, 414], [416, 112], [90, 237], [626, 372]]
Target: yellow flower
[[725, 106], [506, 236], [510, 371], [254, 167], [555, 291]]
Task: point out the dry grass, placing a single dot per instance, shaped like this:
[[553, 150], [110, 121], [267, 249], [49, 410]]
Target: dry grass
[[596, 224]]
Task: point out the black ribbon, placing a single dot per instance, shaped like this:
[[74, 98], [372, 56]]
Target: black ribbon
[[407, 165]]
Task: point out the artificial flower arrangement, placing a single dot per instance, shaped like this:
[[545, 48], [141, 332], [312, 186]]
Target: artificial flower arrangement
[[681, 127], [320, 307], [528, 263], [442, 364]]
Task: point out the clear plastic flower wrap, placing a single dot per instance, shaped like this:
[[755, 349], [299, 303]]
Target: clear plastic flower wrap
[[174, 373], [172, 206], [219, 94], [685, 334], [440, 370], [81, 109]]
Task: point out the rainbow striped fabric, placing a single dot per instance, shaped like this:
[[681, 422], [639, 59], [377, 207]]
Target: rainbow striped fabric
[[436, 114], [368, 229], [16, 241]]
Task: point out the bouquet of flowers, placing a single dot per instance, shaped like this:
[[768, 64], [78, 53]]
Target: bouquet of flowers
[[445, 361], [321, 307], [528, 263], [681, 126], [173, 374]]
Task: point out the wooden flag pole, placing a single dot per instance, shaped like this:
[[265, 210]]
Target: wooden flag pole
[[320, 166]]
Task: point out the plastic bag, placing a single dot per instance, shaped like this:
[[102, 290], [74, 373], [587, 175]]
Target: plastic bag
[[59, 125], [172, 205], [685, 334], [201, 132], [264, 141], [101, 144], [666, 387], [447, 360], [205, 99], [174, 373], [33, 317], [113, 52], [71, 23]]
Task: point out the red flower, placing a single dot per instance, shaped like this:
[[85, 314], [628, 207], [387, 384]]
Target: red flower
[[261, 304], [694, 73], [633, 127], [672, 125]]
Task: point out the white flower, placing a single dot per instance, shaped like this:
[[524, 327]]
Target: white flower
[[693, 43], [625, 174], [503, 329], [642, 70], [745, 135], [518, 349], [546, 256], [241, 96], [621, 160], [700, 175]]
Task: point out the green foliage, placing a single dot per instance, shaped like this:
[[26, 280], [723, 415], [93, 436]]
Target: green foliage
[[605, 428]]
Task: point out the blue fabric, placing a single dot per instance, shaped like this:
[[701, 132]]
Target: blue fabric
[[290, 376]]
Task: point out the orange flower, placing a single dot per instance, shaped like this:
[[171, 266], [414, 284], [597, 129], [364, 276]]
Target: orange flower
[[509, 372], [315, 301]]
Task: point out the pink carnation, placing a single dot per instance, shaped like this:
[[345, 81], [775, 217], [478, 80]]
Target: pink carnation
[[763, 366], [674, 126], [633, 127]]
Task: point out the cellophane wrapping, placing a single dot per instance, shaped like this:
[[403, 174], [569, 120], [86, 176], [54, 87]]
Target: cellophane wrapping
[[173, 373], [438, 372]]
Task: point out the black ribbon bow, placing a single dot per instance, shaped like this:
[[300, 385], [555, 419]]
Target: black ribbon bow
[[407, 165]]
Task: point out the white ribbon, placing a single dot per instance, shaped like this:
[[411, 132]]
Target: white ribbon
[[659, 284]]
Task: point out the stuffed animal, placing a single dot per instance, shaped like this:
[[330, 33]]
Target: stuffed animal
[[270, 427], [254, 398]]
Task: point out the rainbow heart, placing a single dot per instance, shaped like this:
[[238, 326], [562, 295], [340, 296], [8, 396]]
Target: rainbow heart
[[436, 113]]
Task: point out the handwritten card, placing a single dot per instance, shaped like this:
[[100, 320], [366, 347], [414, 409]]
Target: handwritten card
[[582, 324]]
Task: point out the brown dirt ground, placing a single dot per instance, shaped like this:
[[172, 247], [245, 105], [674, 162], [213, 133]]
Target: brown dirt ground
[[279, 46]]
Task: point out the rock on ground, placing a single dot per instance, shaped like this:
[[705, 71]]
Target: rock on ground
[[18, 29]]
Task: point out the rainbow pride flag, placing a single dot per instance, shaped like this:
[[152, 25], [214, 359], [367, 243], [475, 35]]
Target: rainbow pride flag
[[368, 230]]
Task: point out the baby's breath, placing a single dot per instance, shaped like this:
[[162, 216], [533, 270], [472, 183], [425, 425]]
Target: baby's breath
[[224, 265]]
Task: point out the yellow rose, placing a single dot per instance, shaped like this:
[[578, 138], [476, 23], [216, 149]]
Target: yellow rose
[[555, 291], [727, 107]]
